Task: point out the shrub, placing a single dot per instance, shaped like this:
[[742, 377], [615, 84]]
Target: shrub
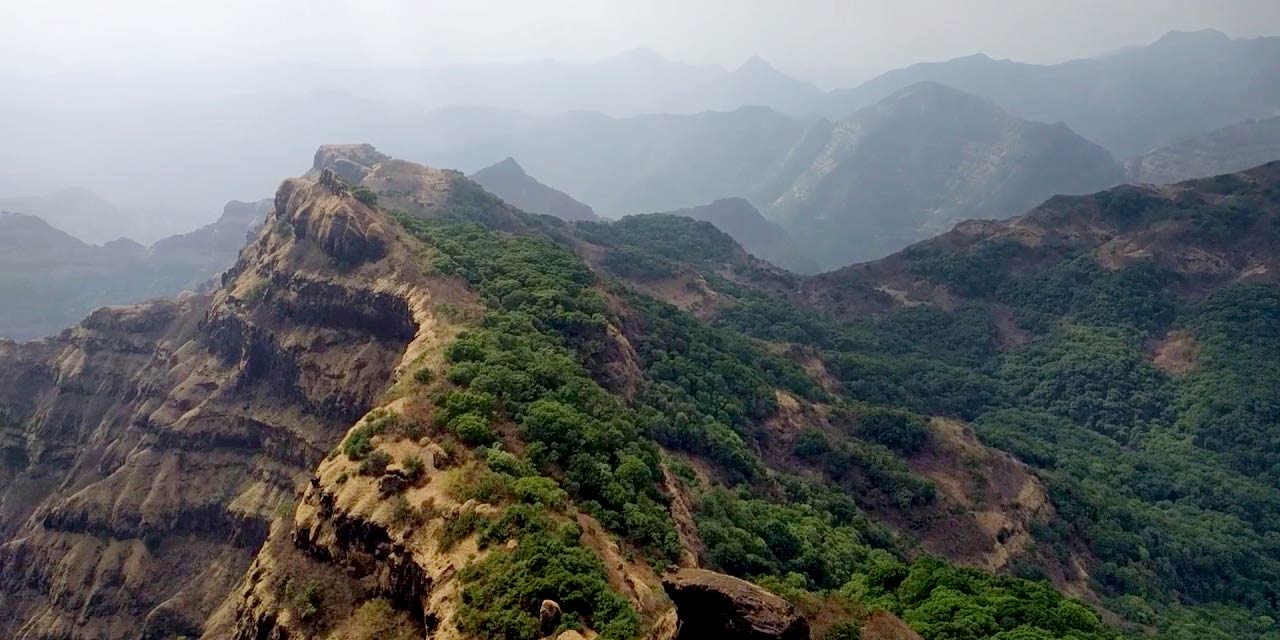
[[414, 467], [900, 431], [403, 514], [539, 490], [305, 599], [363, 194], [375, 464], [472, 429]]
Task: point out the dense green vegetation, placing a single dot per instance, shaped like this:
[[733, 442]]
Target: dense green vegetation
[[526, 366], [1167, 484], [797, 547], [548, 562], [1171, 482]]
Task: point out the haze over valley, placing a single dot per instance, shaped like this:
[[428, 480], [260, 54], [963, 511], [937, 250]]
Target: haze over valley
[[666, 321]]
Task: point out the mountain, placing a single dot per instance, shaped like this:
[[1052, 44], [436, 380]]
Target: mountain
[[508, 181], [51, 279], [619, 166], [1225, 150], [634, 82], [915, 163], [1130, 102], [412, 408], [757, 234], [78, 211]]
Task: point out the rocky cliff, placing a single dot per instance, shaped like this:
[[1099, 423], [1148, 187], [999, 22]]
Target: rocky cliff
[[413, 410], [149, 449]]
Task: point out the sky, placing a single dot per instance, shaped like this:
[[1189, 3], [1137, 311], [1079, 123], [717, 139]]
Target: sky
[[832, 42]]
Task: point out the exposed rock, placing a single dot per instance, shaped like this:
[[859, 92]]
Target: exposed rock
[[392, 483], [350, 162], [548, 616], [153, 446], [714, 605]]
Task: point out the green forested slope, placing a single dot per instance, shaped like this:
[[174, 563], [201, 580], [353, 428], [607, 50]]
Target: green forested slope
[[792, 426]]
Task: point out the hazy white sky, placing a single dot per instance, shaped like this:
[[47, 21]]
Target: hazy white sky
[[826, 40]]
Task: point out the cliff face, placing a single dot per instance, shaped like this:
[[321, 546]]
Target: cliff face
[[147, 450], [276, 459]]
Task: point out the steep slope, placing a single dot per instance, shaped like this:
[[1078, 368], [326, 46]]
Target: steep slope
[[1234, 148], [745, 224], [149, 449], [1120, 344], [1100, 374], [526, 439], [52, 279], [922, 159], [508, 181], [1130, 102]]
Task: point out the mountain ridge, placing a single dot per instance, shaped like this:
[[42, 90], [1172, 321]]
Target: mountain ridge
[[923, 158], [508, 180]]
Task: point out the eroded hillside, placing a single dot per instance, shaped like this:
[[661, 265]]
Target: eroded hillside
[[412, 410]]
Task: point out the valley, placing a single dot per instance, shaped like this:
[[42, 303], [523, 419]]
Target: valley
[[640, 321], [850, 450]]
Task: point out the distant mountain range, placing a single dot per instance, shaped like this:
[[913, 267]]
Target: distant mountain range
[[81, 213], [1226, 150], [620, 166], [508, 181], [900, 171], [658, 136], [1130, 102], [917, 162], [50, 279]]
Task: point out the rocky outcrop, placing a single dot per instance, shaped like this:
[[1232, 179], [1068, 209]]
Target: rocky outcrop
[[350, 162], [714, 605], [148, 451]]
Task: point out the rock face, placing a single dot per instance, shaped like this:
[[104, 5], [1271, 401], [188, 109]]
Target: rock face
[[351, 162], [147, 451], [714, 605], [508, 181]]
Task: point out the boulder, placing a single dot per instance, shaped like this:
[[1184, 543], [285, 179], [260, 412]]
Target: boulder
[[548, 616], [392, 483], [714, 605]]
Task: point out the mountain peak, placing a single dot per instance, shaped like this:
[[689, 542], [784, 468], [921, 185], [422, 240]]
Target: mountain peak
[[756, 64], [351, 162], [508, 180], [509, 164], [936, 95]]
